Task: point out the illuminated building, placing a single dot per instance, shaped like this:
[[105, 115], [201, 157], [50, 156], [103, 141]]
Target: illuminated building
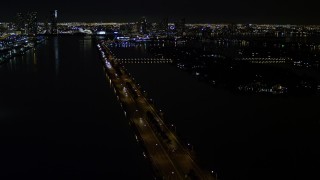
[[20, 22], [3, 27], [126, 28], [54, 21], [163, 25], [206, 33], [32, 23], [143, 25], [180, 27], [46, 26]]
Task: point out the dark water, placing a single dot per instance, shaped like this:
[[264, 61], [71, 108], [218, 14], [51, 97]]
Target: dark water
[[59, 119], [241, 137]]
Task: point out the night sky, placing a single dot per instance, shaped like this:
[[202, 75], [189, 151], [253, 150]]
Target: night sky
[[211, 11]]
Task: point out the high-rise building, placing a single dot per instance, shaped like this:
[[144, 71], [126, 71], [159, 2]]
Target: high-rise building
[[232, 28], [143, 25], [206, 33], [46, 26], [32, 23], [20, 22], [54, 21], [3, 27], [126, 28], [180, 27], [163, 25]]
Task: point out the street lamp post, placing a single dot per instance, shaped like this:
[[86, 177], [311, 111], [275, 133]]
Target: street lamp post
[[190, 146], [214, 174], [161, 114], [174, 127]]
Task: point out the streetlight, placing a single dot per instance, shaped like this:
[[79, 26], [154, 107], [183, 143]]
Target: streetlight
[[174, 127], [214, 174], [190, 146]]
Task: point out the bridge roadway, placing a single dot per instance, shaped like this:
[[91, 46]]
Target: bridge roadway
[[170, 160], [144, 60]]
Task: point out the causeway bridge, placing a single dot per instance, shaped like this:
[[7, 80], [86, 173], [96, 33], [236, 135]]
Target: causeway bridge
[[144, 60], [170, 159]]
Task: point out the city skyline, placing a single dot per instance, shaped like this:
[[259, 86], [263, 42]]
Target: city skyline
[[163, 90], [203, 11]]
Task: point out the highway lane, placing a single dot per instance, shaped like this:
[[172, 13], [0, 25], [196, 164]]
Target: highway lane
[[155, 149], [172, 160], [158, 155], [180, 154]]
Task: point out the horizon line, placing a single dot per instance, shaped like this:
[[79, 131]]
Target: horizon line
[[207, 23]]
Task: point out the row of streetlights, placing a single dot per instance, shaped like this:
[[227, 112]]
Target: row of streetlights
[[172, 126]]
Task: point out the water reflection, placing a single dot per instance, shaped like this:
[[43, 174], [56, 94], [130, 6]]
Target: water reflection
[[87, 43], [56, 55], [30, 55], [11, 65], [34, 57], [41, 110]]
